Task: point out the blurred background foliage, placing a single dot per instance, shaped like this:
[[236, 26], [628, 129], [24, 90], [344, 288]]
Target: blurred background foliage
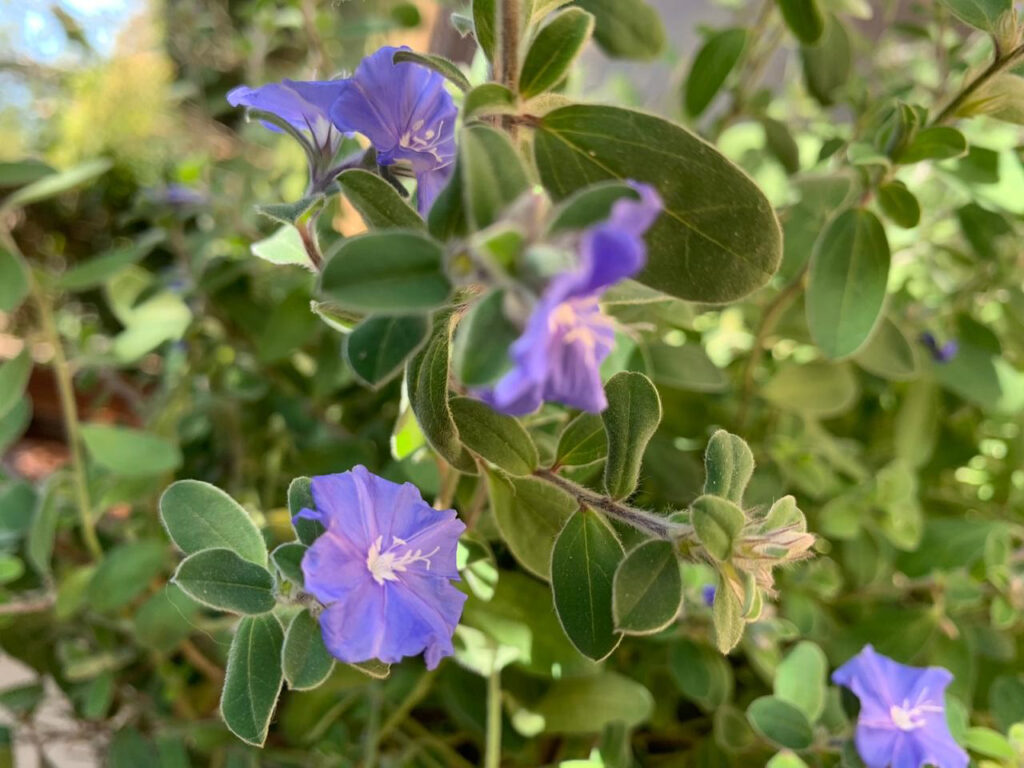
[[209, 364]]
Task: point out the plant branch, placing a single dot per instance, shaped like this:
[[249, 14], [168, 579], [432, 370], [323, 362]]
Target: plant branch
[[408, 704], [999, 64], [506, 51], [641, 519]]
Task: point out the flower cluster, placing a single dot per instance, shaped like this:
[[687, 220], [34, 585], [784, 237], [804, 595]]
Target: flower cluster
[[402, 108], [383, 569], [559, 354]]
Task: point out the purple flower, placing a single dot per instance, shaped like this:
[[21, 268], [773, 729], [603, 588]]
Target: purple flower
[[707, 594], [567, 337], [303, 105], [406, 113], [902, 720], [943, 353], [383, 567]]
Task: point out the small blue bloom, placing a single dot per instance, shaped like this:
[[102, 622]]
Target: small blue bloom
[[940, 353], [707, 594], [383, 568], [902, 720], [406, 113], [567, 337]]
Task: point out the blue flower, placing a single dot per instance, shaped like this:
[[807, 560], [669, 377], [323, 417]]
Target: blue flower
[[567, 337], [707, 594], [305, 106], [406, 113], [383, 569], [940, 353], [902, 720]]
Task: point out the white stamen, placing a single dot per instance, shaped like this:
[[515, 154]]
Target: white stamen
[[384, 566]]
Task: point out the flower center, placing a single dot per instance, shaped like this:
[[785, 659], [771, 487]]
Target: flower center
[[419, 140], [384, 565], [906, 719], [579, 321]]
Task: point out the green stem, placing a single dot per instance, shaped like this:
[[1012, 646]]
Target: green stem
[[999, 64], [492, 748], [69, 409], [415, 696], [506, 52], [641, 519]]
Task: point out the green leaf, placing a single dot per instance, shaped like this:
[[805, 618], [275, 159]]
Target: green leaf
[[55, 184], [801, 679], [41, 532], [165, 619], [583, 563], [489, 99], [717, 522], [14, 423], [14, 277], [626, 29], [201, 516], [497, 438], [11, 568], [590, 205], [287, 558], [553, 51], [648, 589], [283, 247], [290, 325], [14, 376], [97, 271], [817, 389], [379, 346], [378, 202], [804, 19], [482, 339], [781, 722], [938, 142], [493, 174], [899, 204], [426, 379], [990, 743], [530, 513], [781, 144], [221, 579], [729, 464], [848, 278], [701, 673], [130, 452], [727, 618], [630, 420], [484, 25], [448, 69], [125, 573], [300, 497], [828, 63], [1002, 97], [304, 659], [130, 749], [714, 242], [888, 353], [589, 704], [391, 272], [17, 173], [583, 441], [711, 67], [290, 213], [17, 504], [687, 367], [253, 678], [981, 14]]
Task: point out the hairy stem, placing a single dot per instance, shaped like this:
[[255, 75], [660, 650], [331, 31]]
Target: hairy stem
[[492, 748], [641, 519], [506, 52], [1000, 63]]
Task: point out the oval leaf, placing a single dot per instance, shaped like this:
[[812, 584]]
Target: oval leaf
[[711, 66], [497, 438], [583, 441], [378, 202], [848, 277], [305, 660], [13, 280], [492, 173], [221, 579], [387, 272], [253, 678], [715, 242], [379, 346], [529, 513], [200, 516], [804, 19], [781, 722], [648, 589], [583, 563], [130, 452], [630, 420], [553, 51], [627, 29]]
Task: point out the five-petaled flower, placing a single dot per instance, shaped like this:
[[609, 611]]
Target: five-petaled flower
[[567, 337], [406, 113], [305, 106], [902, 720], [383, 569]]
